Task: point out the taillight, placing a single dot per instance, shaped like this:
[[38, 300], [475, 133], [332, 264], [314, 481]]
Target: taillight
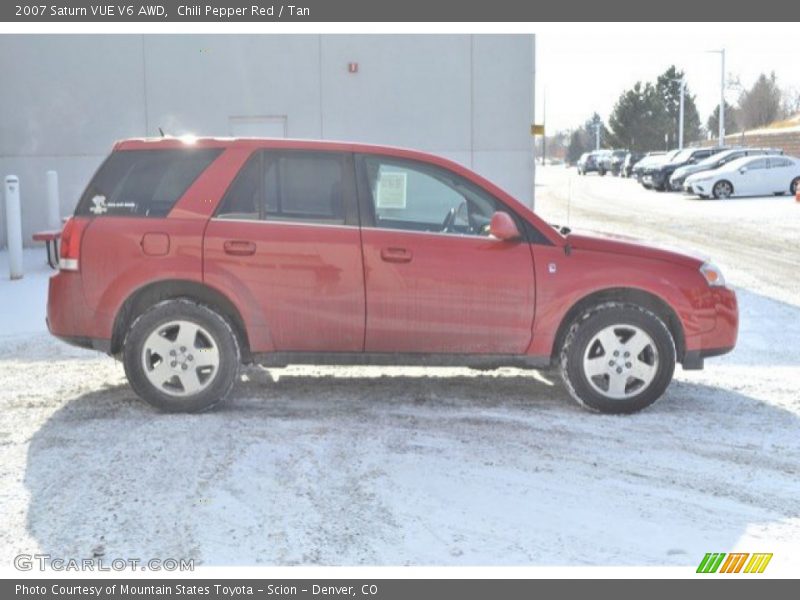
[[71, 243]]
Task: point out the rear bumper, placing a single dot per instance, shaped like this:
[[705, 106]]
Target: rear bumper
[[69, 318], [89, 343]]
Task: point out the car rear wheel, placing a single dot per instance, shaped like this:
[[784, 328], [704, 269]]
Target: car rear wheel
[[617, 358], [181, 356], [722, 189]]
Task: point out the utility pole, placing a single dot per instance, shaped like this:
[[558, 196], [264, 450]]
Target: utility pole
[[722, 86], [722, 102], [680, 118], [544, 122]]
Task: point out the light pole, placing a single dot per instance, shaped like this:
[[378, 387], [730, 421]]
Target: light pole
[[721, 97], [597, 135], [682, 82], [680, 118], [544, 122]]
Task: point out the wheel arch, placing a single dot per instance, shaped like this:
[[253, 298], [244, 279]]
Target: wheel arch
[[637, 296], [158, 291], [723, 180]]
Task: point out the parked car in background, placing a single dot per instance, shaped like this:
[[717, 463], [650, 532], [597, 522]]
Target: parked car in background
[[611, 162], [748, 176], [587, 163], [652, 159], [657, 176], [715, 161], [592, 161], [187, 258], [631, 159]]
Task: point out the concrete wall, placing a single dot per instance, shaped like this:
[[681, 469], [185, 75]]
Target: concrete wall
[[788, 141], [67, 98]]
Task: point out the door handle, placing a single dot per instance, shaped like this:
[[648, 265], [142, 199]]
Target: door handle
[[396, 255], [239, 248]]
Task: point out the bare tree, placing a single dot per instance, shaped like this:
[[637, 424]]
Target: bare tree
[[791, 101], [761, 104]]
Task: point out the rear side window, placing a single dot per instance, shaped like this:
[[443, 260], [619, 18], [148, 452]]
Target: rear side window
[[310, 187], [144, 183], [778, 163]]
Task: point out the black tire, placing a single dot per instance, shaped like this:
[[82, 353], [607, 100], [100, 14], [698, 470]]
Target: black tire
[[719, 190], [583, 331], [602, 173], [224, 376], [794, 186]]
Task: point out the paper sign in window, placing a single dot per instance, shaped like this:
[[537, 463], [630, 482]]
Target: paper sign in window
[[391, 190]]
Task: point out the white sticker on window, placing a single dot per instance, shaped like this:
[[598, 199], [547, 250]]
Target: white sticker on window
[[391, 190]]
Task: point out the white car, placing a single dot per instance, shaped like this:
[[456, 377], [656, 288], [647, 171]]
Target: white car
[[748, 176]]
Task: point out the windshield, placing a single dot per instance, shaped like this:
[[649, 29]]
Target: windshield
[[682, 156], [715, 158]]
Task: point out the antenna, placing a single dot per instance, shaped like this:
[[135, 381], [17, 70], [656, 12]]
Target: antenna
[[161, 131]]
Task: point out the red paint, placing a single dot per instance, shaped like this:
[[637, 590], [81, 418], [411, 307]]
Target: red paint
[[316, 287]]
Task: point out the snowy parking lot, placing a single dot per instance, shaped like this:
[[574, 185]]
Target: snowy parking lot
[[395, 466]]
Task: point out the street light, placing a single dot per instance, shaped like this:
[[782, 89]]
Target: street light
[[597, 135], [721, 97], [680, 118], [682, 81]]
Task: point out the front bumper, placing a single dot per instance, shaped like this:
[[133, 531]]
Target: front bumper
[[700, 188], [721, 304], [676, 183]]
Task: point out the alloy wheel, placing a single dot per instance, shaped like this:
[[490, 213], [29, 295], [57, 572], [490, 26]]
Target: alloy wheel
[[180, 358], [620, 361]]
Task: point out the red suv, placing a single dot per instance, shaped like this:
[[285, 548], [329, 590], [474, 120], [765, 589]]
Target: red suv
[[186, 258]]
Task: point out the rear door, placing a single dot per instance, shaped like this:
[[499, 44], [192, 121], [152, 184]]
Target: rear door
[[436, 281], [780, 174], [286, 236]]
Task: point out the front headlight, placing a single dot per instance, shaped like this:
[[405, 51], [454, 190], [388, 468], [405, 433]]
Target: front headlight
[[712, 275], [702, 179]]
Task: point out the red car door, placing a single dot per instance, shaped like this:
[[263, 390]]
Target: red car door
[[435, 280], [286, 239]]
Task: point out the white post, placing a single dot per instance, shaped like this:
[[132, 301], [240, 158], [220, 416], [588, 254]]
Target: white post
[[597, 136], [722, 103], [680, 119], [53, 207], [14, 227]]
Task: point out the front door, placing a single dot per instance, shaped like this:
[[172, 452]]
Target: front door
[[754, 180], [436, 281], [287, 235]]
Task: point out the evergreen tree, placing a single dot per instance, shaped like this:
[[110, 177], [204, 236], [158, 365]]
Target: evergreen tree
[[668, 87]]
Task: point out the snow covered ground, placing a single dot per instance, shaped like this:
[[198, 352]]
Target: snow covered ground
[[310, 465]]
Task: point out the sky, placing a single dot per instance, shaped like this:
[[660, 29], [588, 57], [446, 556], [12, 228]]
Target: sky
[[583, 68]]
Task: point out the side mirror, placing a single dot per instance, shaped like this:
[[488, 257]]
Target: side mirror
[[502, 227], [743, 170]]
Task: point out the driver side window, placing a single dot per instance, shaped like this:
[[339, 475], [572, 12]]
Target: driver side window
[[413, 196]]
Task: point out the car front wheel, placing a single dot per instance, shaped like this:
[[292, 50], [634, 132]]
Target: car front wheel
[[617, 358], [722, 189], [794, 187], [181, 356]]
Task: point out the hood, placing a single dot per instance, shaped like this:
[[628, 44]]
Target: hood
[[687, 170], [705, 173], [620, 244]]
